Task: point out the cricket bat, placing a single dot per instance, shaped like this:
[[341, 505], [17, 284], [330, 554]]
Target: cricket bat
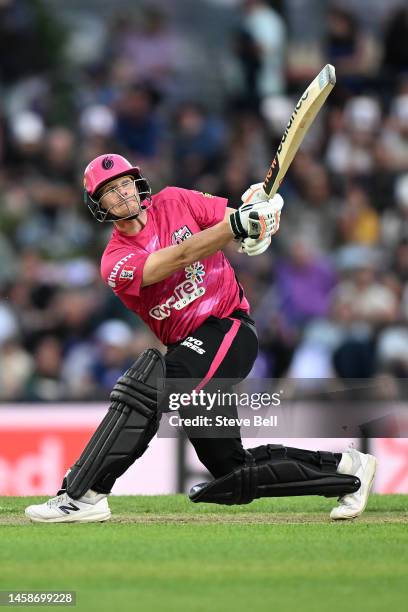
[[301, 119]]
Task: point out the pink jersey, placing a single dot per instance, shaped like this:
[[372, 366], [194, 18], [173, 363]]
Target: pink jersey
[[177, 305]]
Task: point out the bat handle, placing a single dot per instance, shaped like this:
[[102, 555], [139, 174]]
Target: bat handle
[[268, 189]]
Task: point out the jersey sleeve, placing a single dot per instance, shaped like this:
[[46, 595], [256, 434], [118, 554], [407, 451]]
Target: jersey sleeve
[[207, 210], [123, 271]]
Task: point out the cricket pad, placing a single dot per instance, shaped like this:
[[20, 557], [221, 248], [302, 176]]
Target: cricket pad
[[126, 430], [277, 476]]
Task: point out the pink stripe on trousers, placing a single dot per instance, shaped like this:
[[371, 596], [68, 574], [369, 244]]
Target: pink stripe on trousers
[[222, 351]]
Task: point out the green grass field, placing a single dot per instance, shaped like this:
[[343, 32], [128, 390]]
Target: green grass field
[[166, 554]]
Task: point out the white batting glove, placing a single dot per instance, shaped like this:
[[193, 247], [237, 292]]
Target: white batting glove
[[252, 247], [257, 220], [254, 194]]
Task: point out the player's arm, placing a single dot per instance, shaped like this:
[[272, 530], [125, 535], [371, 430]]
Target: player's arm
[[163, 263], [255, 219]]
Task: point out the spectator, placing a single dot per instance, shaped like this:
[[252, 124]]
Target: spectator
[[392, 351], [113, 357], [358, 221], [395, 58], [350, 150], [375, 303], [15, 369], [304, 283], [261, 50], [395, 136], [139, 128], [400, 264], [8, 323], [198, 144], [45, 382], [148, 50], [395, 220], [313, 213], [351, 50]]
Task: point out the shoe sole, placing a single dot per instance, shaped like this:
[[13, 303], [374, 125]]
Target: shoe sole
[[372, 464], [105, 516]]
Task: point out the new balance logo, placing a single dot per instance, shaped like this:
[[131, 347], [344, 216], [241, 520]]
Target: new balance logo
[[68, 508]]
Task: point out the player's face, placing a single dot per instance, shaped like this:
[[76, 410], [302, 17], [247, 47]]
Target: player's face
[[120, 197]]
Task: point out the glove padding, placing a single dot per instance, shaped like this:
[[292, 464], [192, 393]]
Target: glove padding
[[255, 194], [258, 217], [253, 247]]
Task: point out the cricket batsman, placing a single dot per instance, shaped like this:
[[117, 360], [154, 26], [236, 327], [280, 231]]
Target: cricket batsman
[[165, 262]]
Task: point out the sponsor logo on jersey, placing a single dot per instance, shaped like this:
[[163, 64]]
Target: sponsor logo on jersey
[[194, 344], [195, 272], [181, 234], [127, 273], [115, 270], [184, 294]]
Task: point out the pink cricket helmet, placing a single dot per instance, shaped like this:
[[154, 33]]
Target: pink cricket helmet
[[103, 169]]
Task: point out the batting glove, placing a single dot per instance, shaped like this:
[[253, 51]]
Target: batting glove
[[252, 247], [257, 220], [254, 194]]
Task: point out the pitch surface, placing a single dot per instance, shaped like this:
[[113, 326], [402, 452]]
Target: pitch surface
[[164, 553]]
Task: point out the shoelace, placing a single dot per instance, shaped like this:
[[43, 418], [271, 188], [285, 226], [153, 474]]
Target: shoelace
[[55, 501]]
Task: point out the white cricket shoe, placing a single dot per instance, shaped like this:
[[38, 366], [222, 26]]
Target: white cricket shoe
[[363, 466], [90, 508]]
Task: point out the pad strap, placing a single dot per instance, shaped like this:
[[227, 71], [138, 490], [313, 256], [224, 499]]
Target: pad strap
[[328, 461]]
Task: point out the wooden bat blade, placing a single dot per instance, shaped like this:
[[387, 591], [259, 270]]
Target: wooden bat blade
[[299, 123]]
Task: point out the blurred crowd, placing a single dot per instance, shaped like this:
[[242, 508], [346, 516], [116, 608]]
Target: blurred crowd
[[330, 297]]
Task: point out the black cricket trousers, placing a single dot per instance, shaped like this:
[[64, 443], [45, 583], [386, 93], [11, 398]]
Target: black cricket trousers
[[227, 350]]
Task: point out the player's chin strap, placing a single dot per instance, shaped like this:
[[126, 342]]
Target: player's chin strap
[[125, 432], [268, 472]]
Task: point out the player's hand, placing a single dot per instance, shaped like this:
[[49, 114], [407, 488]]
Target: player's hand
[[257, 219], [254, 194], [253, 247]]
